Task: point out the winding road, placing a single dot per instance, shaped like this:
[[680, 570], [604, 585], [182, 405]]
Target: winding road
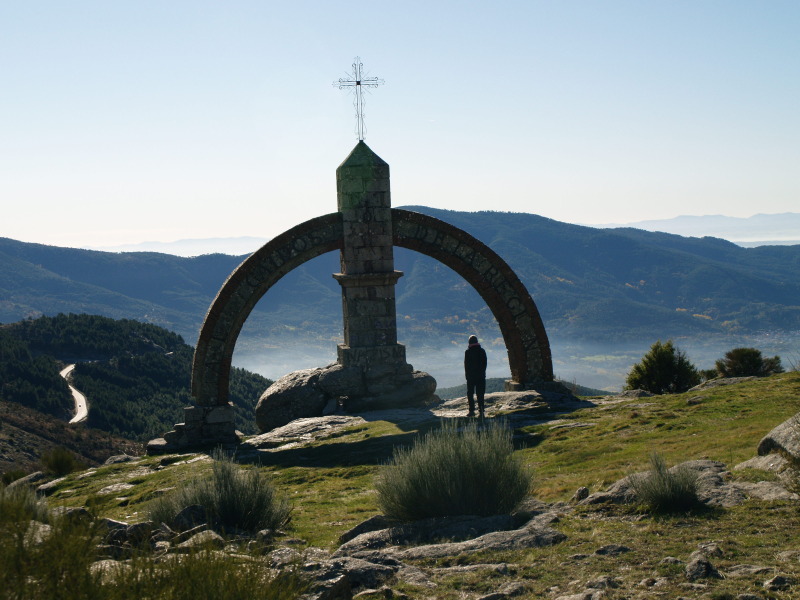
[[81, 406]]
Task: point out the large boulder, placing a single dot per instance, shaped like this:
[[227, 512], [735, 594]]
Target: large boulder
[[324, 390], [291, 397], [784, 439]]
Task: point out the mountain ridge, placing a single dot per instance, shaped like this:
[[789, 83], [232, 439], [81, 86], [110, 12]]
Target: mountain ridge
[[600, 286]]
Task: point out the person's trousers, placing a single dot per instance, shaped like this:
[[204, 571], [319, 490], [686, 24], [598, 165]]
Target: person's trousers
[[476, 387]]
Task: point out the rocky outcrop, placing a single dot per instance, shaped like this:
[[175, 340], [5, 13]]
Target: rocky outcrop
[[784, 439], [335, 388]]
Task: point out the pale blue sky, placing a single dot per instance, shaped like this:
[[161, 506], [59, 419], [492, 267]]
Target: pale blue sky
[[123, 122]]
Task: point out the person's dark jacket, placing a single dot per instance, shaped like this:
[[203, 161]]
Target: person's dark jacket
[[475, 363]]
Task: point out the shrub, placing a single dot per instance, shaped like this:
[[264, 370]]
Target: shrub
[[663, 370], [745, 362], [60, 565], [11, 475], [20, 503], [663, 490], [59, 461], [233, 497], [451, 472]]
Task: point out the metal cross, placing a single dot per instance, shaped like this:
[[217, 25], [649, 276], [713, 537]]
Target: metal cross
[[356, 83]]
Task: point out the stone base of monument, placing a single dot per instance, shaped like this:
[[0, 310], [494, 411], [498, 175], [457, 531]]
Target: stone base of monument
[[539, 386], [204, 427], [325, 390]]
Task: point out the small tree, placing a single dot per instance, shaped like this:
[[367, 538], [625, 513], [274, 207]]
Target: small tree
[[663, 370], [745, 362]]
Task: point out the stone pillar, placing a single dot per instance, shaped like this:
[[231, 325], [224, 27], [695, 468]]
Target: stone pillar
[[368, 277], [368, 281]]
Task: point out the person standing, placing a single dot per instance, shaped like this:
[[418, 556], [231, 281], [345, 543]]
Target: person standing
[[475, 372]]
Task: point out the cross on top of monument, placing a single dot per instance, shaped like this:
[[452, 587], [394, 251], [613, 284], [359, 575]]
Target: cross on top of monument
[[357, 82]]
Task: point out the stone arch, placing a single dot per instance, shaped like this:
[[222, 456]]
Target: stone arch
[[241, 292], [520, 324]]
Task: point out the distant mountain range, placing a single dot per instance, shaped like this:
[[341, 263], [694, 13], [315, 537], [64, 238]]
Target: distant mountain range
[[599, 286], [758, 230]]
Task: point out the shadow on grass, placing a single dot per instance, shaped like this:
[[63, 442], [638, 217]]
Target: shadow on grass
[[367, 451]]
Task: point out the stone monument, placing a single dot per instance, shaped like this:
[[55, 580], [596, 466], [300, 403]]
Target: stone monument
[[371, 371]]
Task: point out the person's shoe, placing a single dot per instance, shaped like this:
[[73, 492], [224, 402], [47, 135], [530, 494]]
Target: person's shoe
[[470, 414], [482, 415]]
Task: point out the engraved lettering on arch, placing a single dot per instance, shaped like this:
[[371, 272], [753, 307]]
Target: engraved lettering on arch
[[515, 306], [300, 243]]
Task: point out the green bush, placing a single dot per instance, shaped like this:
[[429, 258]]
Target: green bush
[[746, 362], [663, 490], [663, 370], [59, 461], [11, 475], [233, 497], [454, 472], [21, 503]]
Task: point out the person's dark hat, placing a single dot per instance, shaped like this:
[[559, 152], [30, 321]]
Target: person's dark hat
[[473, 339]]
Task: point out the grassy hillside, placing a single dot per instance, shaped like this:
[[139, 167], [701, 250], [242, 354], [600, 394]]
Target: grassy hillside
[[331, 480]]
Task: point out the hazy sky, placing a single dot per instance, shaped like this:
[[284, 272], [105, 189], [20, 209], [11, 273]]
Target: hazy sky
[[159, 120]]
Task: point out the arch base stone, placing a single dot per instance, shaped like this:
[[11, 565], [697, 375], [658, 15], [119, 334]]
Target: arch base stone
[[203, 427]]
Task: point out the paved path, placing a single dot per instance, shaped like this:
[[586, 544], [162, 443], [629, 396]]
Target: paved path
[[81, 406]]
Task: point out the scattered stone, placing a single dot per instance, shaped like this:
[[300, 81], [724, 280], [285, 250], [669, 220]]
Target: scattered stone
[[712, 383], [527, 537], [73, 514], [765, 490], [189, 533], [120, 458], [619, 492], [671, 560], [414, 576], [580, 494], [779, 583], [788, 555], [358, 573], [115, 488], [48, 488], [634, 394], [588, 595], [694, 400], [283, 557], [648, 582], [499, 568], [374, 523], [747, 570], [604, 582], [203, 539], [699, 567], [28, 480], [749, 597], [578, 556], [612, 550], [427, 530], [710, 549], [774, 463]]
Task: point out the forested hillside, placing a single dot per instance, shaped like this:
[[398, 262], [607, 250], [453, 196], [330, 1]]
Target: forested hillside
[[136, 376]]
